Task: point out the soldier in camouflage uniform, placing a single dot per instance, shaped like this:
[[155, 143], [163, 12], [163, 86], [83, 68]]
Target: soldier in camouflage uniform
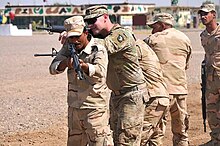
[[88, 99], [210, 39], [125, 78], [173, 49]]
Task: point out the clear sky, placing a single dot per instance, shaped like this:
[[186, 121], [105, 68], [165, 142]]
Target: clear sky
[[79, 2]]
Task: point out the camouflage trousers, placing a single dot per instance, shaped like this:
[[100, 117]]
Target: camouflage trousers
[[89, 127], [213, 108], [154, 121], [179, 119], [126, 117]]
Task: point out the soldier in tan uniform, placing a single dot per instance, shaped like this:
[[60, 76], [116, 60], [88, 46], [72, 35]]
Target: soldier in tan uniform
[[157, 107], [210, 39], [125, 77], [173, 49], [88, 99]]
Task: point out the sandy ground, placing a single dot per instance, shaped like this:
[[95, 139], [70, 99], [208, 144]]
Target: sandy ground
[[33, 107]]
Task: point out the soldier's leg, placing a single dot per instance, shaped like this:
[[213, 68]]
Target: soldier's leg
[[179, 120], [113, 119], [98, 128], [154, 121], [130, 114], [76, 135], [213, 110]]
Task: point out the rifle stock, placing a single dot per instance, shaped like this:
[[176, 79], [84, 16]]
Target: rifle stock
[[203, 89]]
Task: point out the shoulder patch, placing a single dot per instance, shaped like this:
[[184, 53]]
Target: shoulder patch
[[120, 38]]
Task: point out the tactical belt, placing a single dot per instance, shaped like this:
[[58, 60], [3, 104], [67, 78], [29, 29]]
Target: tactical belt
[[128, 89]]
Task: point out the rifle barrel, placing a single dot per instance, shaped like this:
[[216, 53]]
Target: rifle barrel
[[37, 55], [54, 28]]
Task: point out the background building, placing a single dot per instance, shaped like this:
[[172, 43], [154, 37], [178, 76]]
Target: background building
[[126, 14]]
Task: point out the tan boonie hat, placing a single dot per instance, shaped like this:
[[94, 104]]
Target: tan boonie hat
[[95, 11], [74, 26], [207, 8], [162, 17]]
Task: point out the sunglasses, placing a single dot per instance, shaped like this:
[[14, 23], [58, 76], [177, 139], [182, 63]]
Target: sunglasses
[[91, 21], [203, 13]]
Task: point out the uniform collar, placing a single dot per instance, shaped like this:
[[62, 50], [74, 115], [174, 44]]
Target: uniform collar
[[213, 32], [116, 26], [88, 48]]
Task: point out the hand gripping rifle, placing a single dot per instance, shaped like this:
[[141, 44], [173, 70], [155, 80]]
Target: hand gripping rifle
[[203, 89], [76, 64]]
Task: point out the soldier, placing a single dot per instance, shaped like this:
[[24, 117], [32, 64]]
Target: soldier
[[210, 39], [125, 78], [157, 107], [173, 49], [88, 99]]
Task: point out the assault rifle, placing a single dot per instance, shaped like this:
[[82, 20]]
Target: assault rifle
[[52, 29], [203, 88]]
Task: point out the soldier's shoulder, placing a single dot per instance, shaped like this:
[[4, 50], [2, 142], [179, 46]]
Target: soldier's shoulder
[[203, 33], [118, 36], [98, 41], [119, 31], [98, 44], [159, 34]]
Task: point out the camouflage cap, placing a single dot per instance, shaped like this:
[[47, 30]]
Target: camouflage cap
[[95, 11], [74, 26], [207, 8], [162, 17]]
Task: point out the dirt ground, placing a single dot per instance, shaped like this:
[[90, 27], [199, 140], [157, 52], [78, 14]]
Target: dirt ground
[[33, 109]]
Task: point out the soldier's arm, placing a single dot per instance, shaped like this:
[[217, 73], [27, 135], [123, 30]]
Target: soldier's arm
[[60, 62], [100, 62], [119, 40]]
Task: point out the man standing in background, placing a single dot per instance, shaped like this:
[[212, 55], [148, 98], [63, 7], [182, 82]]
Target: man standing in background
[[173, 49], [210, 39]]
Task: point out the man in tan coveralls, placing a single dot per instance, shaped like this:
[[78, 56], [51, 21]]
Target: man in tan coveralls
[[88, 99], [125, 78], [173, 49], [210, 39]]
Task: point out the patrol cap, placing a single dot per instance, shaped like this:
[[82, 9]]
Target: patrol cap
[[96, 11], [74, 26], [162, 17], [207, 7]]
